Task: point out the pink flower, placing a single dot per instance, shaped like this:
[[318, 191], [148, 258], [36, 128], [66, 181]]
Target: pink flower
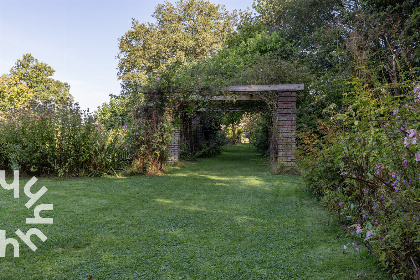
[[406, 143], [414, 140], [412, 133], [418, 157]]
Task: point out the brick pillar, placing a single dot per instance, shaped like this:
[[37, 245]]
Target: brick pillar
[[286, 127], [174, 147]]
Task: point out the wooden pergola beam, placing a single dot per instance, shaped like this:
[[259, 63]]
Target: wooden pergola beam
[[249, 97], [256, 88]]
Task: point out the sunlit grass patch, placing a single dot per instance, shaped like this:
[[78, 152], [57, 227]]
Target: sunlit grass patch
[[224, 217]]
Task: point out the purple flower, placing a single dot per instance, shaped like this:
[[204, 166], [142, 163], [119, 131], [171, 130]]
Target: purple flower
[[415, 140], [402, 210], [354, 244], [368, 233], [405, 162], [406, 142], [412, 133], [393, 174], [358, 230], [340, 204], [357, 249], [365, 191], [393, 203], [418, 157]]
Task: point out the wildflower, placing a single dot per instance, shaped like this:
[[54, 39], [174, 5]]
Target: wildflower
[[368, 233], [418, 157], [402, 210], [415, 140], [395, 111], [354, 244], [340, 204], [393, 203], [405, 162], [412, 133], [345, 247], [406, 143], [357, 249], [358, 230], [365, 191], [393, 174]]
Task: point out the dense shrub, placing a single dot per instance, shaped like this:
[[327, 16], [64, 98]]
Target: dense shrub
[[58, 140], [369, 175]]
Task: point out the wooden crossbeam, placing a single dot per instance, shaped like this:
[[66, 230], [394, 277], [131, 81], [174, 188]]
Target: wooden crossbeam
[[254, 88], [239, 97]]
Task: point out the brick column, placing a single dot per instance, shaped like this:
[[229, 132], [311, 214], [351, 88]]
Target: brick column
[[286, 127], [174, 148]]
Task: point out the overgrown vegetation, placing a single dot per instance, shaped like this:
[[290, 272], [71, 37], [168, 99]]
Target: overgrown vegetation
[[357, 120], [58, 140]]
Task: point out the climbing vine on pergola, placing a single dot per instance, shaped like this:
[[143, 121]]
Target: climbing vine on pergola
[[281, 101]]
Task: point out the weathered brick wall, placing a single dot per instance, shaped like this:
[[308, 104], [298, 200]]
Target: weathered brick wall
[[286, 127]]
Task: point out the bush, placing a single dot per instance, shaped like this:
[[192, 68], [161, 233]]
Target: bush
[[370, 174], [58, 140]]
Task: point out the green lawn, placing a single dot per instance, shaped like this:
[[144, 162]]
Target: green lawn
[[221, 218]]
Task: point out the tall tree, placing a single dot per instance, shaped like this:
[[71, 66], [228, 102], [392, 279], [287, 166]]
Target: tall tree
[[37, 76], [13, 93], [184, 32]]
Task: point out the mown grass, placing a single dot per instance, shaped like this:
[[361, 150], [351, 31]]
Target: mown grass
[[221, 218]]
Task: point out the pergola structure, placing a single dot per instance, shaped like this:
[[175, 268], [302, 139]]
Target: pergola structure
[[283, 132], [282, 138]]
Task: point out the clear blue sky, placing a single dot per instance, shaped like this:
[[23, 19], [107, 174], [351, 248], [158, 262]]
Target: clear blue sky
[[77, 38]]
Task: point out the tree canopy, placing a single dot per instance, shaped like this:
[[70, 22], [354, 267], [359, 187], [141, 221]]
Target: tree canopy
[[38, 77], [184, 32], [29, 81]]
